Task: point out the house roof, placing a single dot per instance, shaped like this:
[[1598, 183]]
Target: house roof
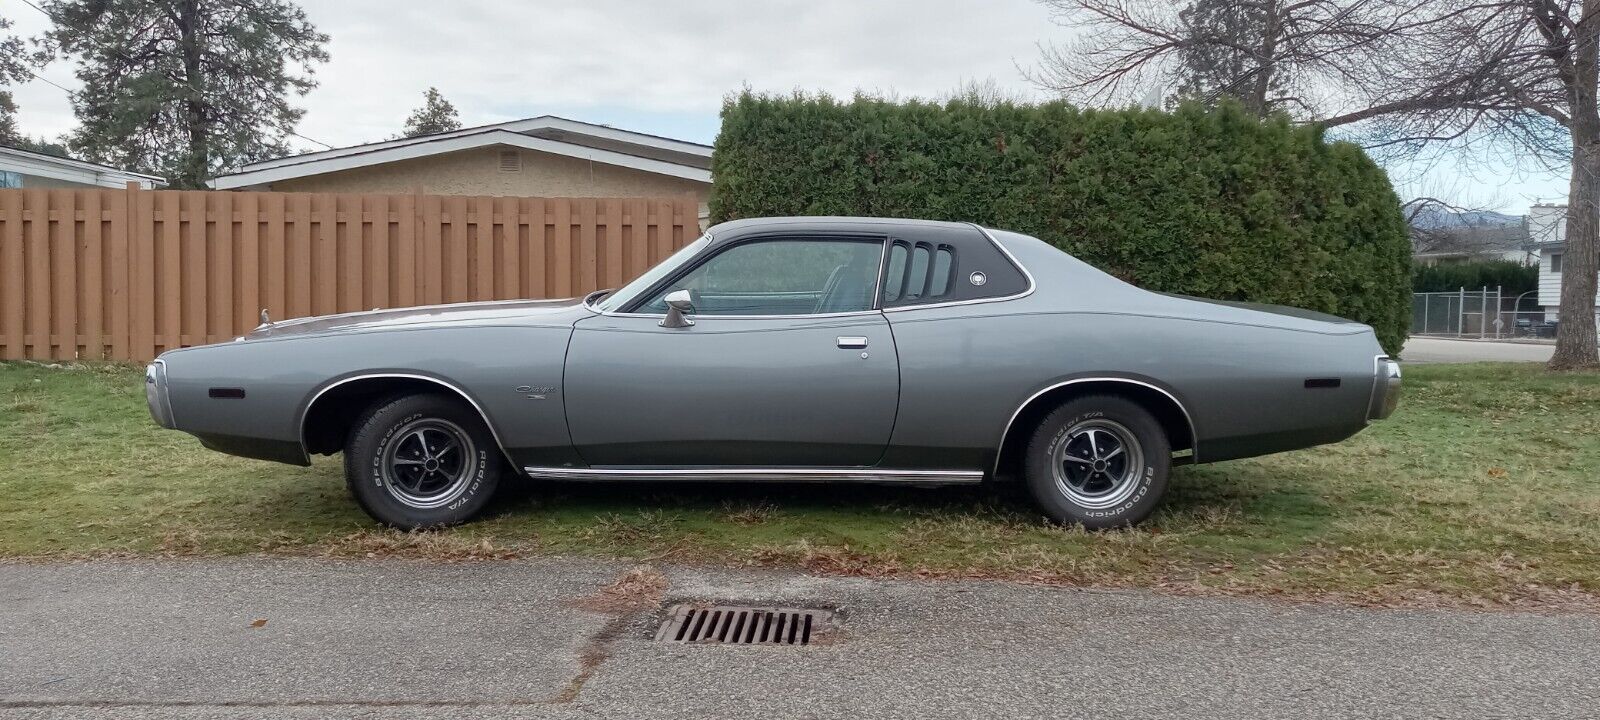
[[39, 164], [547, 133]]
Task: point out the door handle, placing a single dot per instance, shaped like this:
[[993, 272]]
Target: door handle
[[852, 342]]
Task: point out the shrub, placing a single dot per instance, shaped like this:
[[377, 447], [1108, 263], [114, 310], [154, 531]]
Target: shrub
[[1513, 278], [1212, 203]]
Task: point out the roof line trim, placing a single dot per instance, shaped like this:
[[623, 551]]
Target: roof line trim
[[457, 143], [541, 122], [29, 162]]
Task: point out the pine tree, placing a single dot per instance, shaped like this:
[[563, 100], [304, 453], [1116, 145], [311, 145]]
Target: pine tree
[[436, 115], [9, 135], [1220, 58], [15, 67], [185, 88]]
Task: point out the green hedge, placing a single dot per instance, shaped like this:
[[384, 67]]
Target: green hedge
[[1204, 202], [1513, 278]]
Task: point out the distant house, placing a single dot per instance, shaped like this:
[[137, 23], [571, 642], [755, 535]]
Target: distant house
[[1547, 231], [544, 156], [27, 169], [1440, 236]]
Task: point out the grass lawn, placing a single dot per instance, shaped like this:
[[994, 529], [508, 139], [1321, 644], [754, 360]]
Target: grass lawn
[[1483, 489]]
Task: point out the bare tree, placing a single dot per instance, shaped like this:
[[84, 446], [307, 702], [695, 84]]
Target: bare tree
[[1398, 76], [1440, 228], [1284, 55]]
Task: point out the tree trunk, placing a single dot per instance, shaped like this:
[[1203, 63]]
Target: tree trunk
[[197, 160], [1580, 263], [1580, 271], [1266, 56]]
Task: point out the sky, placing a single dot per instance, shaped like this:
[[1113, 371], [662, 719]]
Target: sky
[[663, 67]]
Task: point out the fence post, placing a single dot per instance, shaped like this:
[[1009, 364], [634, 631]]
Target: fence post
[[123, 207], [1427, 305], [1461, 311], [1500, 301], [1483, 312]]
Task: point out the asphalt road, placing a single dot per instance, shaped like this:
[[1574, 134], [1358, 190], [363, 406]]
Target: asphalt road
[[1440, 350], [403, 639]]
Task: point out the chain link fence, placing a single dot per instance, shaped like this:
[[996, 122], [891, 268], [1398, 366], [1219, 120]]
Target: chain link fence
[[1485, 313]]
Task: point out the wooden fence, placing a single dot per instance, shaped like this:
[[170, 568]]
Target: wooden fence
[[127, 274]]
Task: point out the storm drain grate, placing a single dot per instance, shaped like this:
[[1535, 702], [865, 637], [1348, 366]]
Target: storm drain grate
[[735, 625]]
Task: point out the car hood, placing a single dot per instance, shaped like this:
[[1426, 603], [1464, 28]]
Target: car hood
[[496, 312]]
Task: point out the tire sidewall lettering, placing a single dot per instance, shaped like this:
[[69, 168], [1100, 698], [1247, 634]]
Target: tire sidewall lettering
[[1132, 501], [383, 446], [477, 482]]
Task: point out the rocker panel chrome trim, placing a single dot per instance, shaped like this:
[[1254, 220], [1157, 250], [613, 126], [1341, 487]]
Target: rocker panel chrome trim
[[868, 475]]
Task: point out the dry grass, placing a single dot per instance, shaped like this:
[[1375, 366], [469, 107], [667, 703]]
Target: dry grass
[[635, 590]]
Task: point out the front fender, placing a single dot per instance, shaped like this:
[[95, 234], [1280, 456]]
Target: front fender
[[495, 368]]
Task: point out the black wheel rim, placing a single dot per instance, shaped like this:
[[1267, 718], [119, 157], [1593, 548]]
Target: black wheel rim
[[429, 464]]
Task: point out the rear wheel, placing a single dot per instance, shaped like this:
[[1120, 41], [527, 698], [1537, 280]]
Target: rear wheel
[[420, 461], [1099, 461]]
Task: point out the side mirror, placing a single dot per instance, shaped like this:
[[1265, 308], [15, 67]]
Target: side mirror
[[679, 304]]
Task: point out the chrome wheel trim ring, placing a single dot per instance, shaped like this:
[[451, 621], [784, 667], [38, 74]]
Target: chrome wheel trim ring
[[1097, 463], [429, 464]]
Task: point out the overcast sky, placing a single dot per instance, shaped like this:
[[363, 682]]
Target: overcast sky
[[656, 66]]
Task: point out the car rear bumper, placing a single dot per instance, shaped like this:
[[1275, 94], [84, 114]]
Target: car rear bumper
[[155, 394], [1385, 388]]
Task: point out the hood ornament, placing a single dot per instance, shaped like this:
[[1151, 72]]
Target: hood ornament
[[265, 319]]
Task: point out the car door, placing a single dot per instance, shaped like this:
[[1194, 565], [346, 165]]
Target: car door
[[788, 363]]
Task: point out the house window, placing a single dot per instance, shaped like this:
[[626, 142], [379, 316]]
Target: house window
[[10, 179], [1555, 263]]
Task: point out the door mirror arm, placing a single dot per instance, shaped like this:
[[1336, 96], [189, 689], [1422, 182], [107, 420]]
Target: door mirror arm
[[680, 303]]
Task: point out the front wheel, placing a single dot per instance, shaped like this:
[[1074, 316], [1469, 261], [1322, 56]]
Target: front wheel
[[421, 461], [1099, 461]]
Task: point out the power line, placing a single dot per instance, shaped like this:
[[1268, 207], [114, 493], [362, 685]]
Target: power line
[[47, 81], [35, 75], [29, 3], [302, 137]]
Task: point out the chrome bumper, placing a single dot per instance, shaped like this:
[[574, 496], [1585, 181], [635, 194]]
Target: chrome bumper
[[1385, 389], [155, 394]]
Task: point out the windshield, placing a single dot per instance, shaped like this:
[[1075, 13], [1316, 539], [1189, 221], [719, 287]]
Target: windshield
[[615, 301]]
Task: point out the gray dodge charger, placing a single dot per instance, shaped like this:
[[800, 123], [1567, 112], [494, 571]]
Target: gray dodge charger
[[792, 350]]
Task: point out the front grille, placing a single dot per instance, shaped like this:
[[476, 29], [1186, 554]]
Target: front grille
[[736, 625]]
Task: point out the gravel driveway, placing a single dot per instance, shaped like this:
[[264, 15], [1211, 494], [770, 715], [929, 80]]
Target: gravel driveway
[[409, 639]]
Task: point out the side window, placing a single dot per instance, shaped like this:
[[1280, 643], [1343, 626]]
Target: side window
[[781, 277], [894, 276], [918, 273]]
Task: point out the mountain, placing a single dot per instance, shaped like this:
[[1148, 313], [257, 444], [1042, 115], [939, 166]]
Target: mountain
[[1434, 217]]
